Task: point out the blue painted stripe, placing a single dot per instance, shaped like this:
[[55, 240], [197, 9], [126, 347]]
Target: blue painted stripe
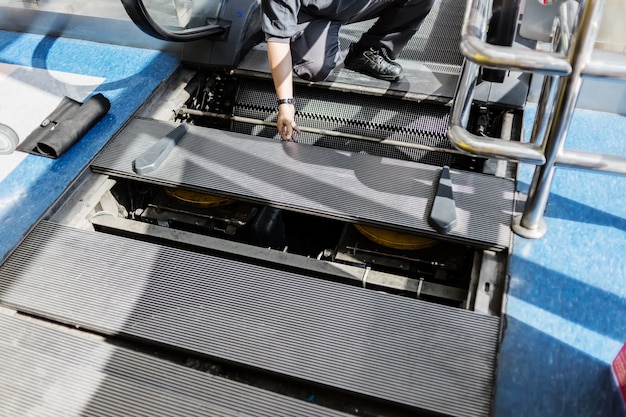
[[130, 76]]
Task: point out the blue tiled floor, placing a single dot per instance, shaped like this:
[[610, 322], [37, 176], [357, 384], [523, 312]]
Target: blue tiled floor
[[130, 74], [566, 306]]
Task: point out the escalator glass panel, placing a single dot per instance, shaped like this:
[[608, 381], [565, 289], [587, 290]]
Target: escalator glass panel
[[177, 20]]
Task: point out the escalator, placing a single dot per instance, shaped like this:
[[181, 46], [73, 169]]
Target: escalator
[[308, 275]]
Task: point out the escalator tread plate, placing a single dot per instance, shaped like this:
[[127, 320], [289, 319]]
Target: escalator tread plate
[[97, 378], [357, 188], [398, 349]]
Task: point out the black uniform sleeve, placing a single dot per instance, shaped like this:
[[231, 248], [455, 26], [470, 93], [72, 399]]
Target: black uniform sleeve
[[280, 17]]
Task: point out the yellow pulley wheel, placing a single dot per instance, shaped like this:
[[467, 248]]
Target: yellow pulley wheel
[[395, 240], [198, 199]]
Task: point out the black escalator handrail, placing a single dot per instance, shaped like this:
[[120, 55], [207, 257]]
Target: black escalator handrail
[[140, 16]]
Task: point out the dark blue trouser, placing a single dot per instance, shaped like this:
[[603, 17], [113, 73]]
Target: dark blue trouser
[[315, 47]]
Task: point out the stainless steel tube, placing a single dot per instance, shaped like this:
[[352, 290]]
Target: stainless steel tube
[[605, 163], [581, 48], [474, 47], [562, 33], [545, 108], [479, 145], [606, 64]]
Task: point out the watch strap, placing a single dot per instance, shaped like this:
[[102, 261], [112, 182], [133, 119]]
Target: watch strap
[[284, 101]]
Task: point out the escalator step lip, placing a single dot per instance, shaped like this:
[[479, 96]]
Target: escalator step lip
[[100, 378], [351, 187], [406, 351]]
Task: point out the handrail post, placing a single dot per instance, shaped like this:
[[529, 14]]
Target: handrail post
[[531, 223], [561, 32]]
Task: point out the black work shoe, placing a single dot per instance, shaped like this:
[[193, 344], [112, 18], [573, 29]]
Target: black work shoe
[[373, 62]]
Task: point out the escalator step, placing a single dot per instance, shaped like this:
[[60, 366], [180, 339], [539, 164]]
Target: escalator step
[[347, 186], [52, 372], [396, 349]]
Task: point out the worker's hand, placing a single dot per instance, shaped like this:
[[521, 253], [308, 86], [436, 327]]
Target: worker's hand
[[287, 127]]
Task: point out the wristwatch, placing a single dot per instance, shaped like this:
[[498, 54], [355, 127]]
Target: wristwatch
[[285, 101]]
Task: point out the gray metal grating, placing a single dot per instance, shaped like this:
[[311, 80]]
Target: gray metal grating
[[357, 114], [52, 372], [437, 40], [431, 59], [315, 180], [393, 348]]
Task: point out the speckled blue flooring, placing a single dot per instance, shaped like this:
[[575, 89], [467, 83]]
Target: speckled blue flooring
[[130, 76], [566, 306]]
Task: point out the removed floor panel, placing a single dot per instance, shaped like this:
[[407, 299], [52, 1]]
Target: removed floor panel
[[347, 186], [396, 349]]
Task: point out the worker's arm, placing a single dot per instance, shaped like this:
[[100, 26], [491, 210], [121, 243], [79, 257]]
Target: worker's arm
[[279, 56]]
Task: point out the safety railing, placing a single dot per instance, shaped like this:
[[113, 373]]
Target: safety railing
[[574, 58]]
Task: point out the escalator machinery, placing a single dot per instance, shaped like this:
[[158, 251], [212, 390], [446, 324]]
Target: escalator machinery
[[220, 96], [443, 270]]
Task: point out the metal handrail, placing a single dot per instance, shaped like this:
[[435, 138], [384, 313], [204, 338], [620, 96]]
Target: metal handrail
[[564, 73], [480, 145], [474, 47], [606, 64], [595, 161]]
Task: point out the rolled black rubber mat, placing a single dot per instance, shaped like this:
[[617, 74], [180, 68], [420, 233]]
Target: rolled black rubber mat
[[66, 125], [406, 351]]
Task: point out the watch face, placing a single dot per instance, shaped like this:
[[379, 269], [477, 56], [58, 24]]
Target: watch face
[[8, 140]]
